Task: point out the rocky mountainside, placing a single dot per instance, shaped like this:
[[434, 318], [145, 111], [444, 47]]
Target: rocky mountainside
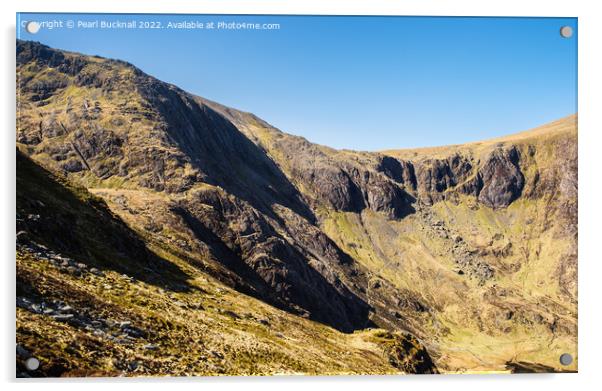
[[468, 252], [100, 299]]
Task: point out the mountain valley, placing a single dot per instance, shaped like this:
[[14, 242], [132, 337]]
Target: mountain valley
[[161, 233]]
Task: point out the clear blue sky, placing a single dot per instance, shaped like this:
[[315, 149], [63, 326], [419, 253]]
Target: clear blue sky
[[365, 83]]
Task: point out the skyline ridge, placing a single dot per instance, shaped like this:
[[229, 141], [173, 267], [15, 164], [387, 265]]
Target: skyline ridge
[[405, 81]]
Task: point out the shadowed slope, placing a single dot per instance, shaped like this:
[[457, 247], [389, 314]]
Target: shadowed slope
[[74, 222]]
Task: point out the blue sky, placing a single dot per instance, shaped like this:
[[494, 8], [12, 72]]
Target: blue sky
[[364, 83]]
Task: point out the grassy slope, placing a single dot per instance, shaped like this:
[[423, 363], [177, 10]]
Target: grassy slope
[[541, 135], [204, 329], [474, 332]]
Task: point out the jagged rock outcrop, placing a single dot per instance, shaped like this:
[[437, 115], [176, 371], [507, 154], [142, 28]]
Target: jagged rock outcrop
[[501, 178], [437, 175], [334, 187], [342, 185], [496, 182], [400, 171], [381, 194]]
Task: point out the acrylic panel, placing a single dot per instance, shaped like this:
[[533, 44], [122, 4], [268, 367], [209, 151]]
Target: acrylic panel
[[204, 195]]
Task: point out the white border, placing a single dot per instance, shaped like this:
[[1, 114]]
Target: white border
[[590, 194]]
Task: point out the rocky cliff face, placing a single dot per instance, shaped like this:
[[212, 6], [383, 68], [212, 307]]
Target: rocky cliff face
[[406, 240]]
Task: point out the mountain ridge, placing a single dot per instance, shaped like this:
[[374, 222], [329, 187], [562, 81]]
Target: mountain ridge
[[348, 239]]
